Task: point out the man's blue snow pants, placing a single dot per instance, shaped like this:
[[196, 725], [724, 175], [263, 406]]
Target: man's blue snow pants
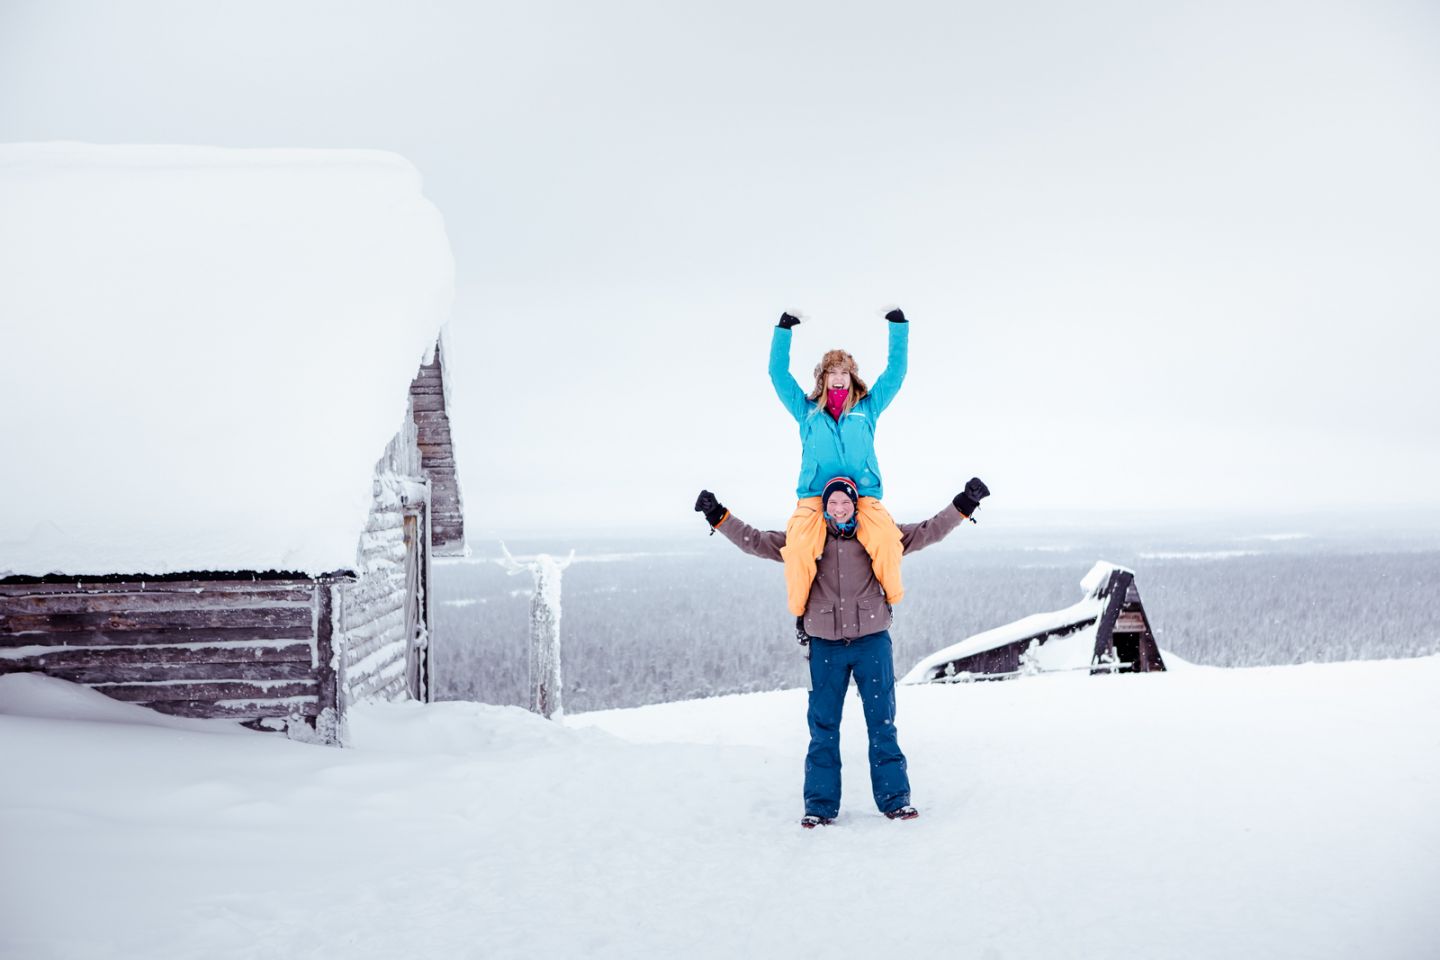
[[831, 664]]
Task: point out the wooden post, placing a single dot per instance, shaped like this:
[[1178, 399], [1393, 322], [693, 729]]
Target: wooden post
[[545, 683], [327, 722]]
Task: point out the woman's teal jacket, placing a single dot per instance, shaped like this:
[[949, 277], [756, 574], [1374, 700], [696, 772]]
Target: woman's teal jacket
[[847, 448]]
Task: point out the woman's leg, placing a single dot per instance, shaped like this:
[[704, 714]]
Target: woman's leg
[[804, 539], [880, 536]]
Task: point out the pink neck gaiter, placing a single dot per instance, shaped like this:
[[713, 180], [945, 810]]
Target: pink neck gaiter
[[835, 400]]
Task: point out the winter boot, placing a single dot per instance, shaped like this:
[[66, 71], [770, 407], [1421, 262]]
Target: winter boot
[[812, 820], [906, 812]]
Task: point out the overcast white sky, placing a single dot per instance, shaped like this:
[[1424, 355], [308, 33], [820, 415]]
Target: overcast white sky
[[1157, 256]]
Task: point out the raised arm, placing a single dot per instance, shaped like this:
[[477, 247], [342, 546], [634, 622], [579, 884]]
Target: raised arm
[[918, 536], [786, 388], [897, 362], [765, 544]]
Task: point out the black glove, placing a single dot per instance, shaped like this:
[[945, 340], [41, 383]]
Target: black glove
[[708, 505], [968, 499], [787, 320], [896, 316], [800, 633]]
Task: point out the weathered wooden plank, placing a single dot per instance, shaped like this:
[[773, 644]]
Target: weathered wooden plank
[[47, 603], [145, 638], [361, 648], [204, 709], [55, 657], [1004, 659], [360, 640], [282, 618], [387, 683], [1150, 653], [268, 589], [328, 676], [1130, 621], [211, 690], [376, 589], [358, 617], [137, 673]]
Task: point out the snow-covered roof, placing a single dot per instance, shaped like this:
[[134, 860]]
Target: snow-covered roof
[[205, 351], [1071, 652]]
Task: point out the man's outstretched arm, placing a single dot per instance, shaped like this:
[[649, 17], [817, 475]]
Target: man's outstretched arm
[[917, 536], [765, 544]]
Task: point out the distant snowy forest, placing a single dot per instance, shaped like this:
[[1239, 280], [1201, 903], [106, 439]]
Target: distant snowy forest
[[653, 621]]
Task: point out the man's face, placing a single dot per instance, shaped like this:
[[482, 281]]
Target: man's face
[[837, 378], [840, 507]]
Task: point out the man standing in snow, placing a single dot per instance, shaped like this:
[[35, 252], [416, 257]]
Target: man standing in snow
[[847, 623]]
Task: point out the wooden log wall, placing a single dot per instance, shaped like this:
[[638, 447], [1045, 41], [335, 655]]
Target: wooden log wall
[[370, 620], [447, 519], [243, 649]]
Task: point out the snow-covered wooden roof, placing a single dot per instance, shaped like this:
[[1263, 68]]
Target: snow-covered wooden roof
[[1071, 649], [205, 351]]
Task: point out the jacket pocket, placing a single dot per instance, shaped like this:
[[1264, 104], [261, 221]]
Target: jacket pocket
[[870, 476], [873, 613], [820, 620]]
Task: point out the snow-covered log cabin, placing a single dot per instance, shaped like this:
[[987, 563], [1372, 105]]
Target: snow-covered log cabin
[[1107, 631], [228, 455]]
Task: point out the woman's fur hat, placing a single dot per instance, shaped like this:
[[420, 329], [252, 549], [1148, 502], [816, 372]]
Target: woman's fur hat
[[843, 360]]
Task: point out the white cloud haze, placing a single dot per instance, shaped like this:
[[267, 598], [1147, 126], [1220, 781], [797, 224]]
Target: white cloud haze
[[1156, 255]]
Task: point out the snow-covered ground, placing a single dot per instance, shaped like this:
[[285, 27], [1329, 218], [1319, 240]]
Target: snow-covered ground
[[1276, 812]]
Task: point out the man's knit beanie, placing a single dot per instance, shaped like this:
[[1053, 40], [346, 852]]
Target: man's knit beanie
[[845, 485]]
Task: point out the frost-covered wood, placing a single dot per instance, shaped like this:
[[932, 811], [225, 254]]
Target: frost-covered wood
[[437, 451], [237, 648], [381, 616], [546, 687]]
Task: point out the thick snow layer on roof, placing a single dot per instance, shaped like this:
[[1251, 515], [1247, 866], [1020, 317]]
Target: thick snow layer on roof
[[1071, 652], [1009, 633], [205, 351]]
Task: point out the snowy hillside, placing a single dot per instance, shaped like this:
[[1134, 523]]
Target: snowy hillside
[[1275, 812]]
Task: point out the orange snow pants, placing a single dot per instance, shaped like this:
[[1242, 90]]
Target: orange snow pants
[[805, 539]]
